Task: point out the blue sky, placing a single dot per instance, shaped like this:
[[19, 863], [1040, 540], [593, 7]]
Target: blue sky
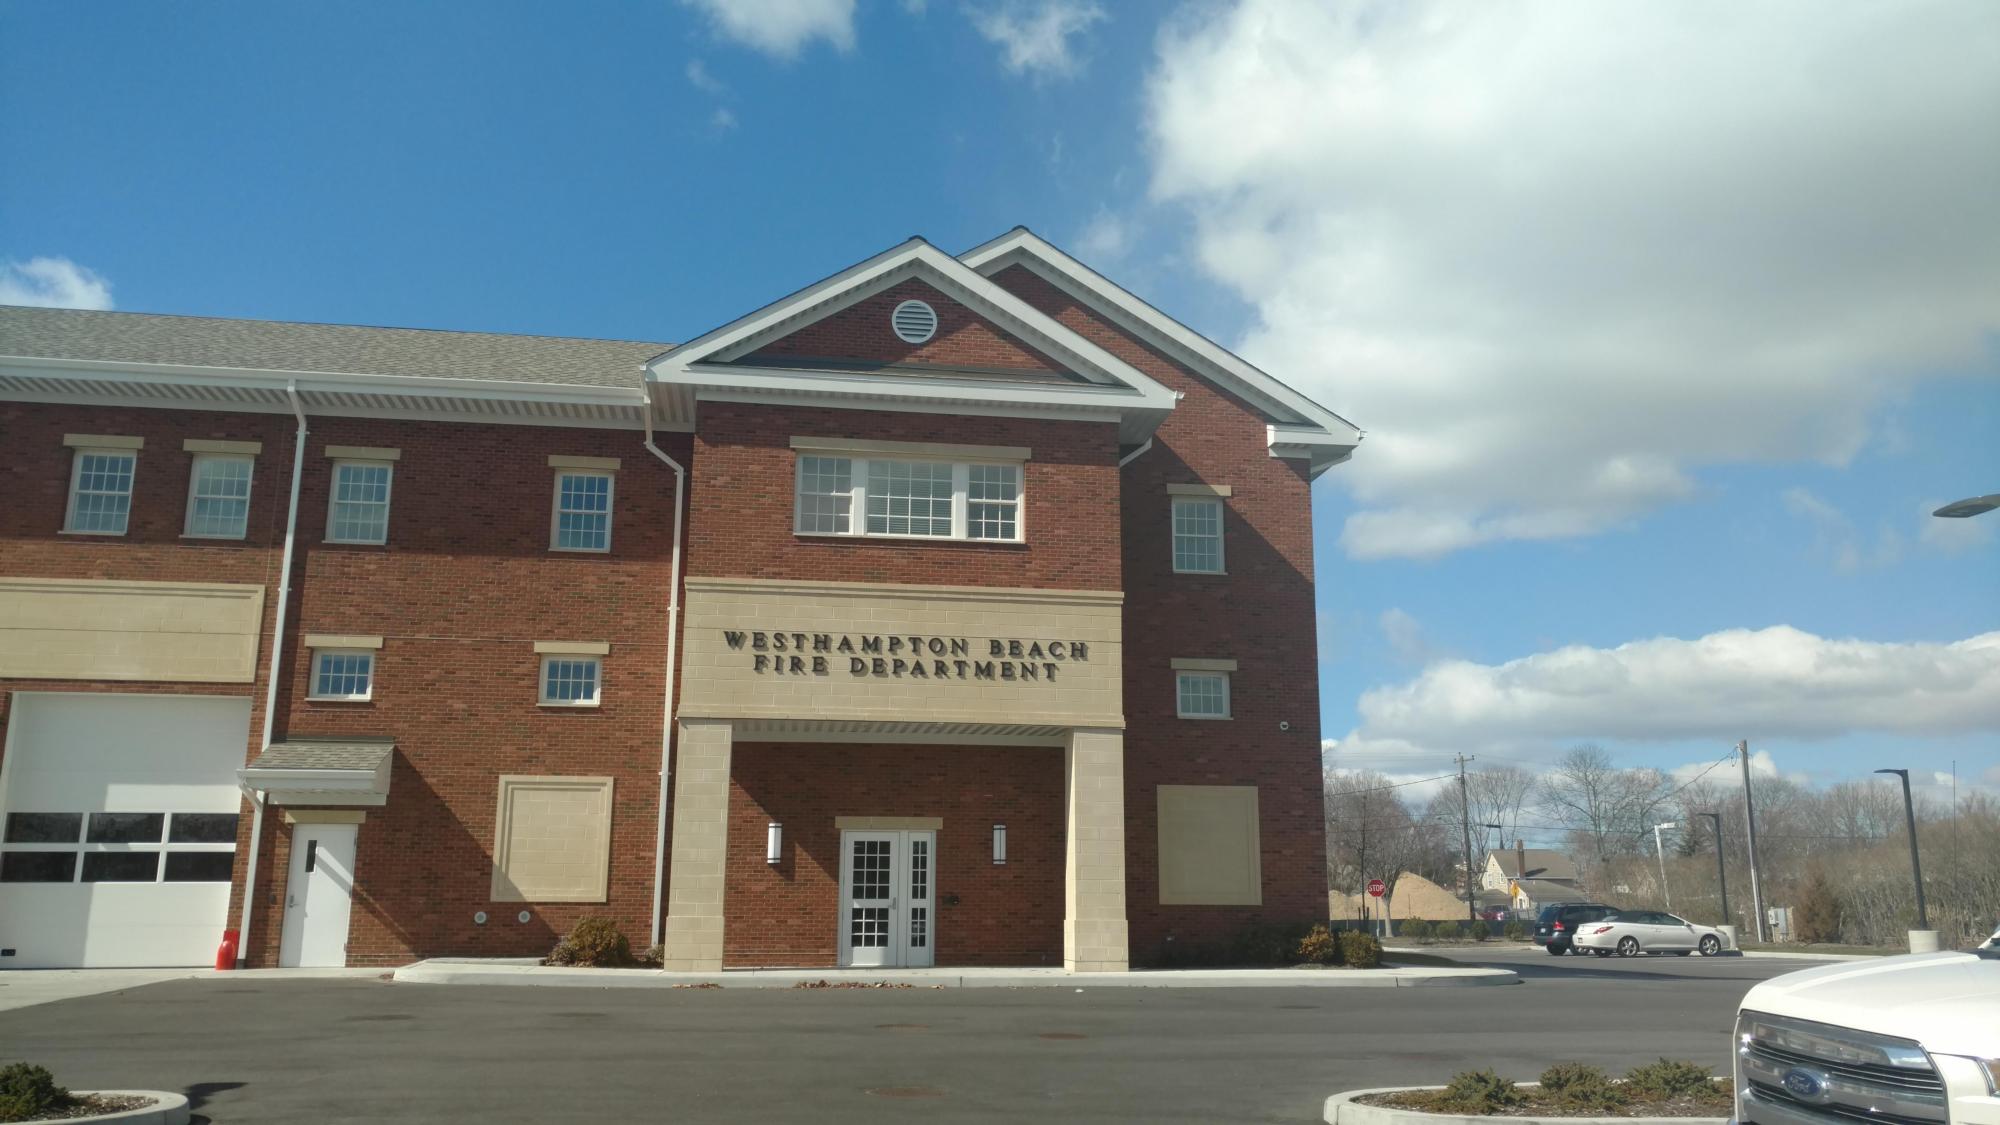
[[1647, 363]]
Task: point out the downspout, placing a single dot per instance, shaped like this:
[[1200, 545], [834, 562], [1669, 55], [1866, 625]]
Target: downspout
[[257, 799], [673, 650]]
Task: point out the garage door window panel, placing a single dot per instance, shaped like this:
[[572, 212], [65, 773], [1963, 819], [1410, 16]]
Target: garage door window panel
[[121, 867], [199, 867], [125, 828], [37, 867], [44, 828]]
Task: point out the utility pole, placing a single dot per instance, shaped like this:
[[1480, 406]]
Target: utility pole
[[1662, 849], [1721, 873], [1750, 832], [1916, 865], [1465, 821]]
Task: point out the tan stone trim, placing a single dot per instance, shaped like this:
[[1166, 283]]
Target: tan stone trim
[[1201, 664], [1210, 845], [94, 629], [905, 590], [574, 648], [103, 441], [207, 445], [913, 449], [363, 453], [569, 859], [326, 816], [340, 640], [1198, 490], [888, 823], [563, 461]]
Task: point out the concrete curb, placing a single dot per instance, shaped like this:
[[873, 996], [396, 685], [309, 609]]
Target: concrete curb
[[168, 1108], [462, 972], [1342, 1109], [1777, 956]]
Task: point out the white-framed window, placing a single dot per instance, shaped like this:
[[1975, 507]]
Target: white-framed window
[[100, 491], [903, 498], [571, 681], [1197, 535], [344, 675], [582, 517], [1201, 695], [358, 511], [219, 496]]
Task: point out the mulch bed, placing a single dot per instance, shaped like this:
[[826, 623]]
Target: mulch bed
[[1716, 1103], [90, 1105]]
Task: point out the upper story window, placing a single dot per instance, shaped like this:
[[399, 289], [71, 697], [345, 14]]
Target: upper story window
[[1198, 534], [908, 498], [570, 681], [100, 483], [1201, 695], [347, 675], [358, 503], [219, 496], [581, 520]]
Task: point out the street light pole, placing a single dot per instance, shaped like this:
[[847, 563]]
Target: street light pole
[[1721, 873], [1662, 849], [1916, 865]]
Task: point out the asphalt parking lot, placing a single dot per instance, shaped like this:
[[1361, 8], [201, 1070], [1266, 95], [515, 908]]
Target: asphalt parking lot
[[368, 1050]]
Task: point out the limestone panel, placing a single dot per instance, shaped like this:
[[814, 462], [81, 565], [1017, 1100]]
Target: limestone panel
[[83, 629], [763, 649], [1209, 850], [552, 839]]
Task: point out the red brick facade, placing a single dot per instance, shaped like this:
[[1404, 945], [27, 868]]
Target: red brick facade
[[467, 583]]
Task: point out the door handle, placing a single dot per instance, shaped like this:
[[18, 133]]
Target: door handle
[[291, 900]]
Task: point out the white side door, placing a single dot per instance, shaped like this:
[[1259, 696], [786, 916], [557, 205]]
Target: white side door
[[887, 914], [1675, 933], [318, 896]]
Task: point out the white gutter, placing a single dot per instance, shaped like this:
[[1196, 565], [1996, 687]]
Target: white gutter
[[277, 661], [1134, 455], [673, 650]]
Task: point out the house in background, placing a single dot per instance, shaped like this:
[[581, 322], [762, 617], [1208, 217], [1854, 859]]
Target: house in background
[[1413, 896], [1530, 895], [1503, 868]]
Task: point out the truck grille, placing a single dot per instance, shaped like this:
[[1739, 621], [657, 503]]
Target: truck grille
[[1835, 1073]]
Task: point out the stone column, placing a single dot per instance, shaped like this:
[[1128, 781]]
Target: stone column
[[700, 846], [1094, 935]]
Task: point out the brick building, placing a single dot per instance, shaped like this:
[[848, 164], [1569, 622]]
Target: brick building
[[947, 611]]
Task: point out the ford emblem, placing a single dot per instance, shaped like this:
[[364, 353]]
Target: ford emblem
[[1805, 1085]]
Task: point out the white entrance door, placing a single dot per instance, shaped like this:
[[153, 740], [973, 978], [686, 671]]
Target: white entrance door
[[887, 916], [318, 895]]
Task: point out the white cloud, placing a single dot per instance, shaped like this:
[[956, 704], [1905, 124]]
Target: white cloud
[[915, 7], [781, 27], [53, 283], [1558, 257], [1105, 239], [699, 77], [1034, 38], [1836, 538], [1777, 682], [723, 118], [1405, 636]]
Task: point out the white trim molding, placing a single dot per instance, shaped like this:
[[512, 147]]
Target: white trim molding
[[1305, 423]]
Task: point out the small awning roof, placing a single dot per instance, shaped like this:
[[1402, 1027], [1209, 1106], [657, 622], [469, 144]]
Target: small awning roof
[[323, 771]]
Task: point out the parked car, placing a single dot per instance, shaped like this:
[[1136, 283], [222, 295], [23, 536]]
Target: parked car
[[1891, 1039], [1628, 933], [1556, 926]]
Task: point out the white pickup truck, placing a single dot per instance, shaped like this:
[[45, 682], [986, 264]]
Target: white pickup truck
[[1911, 1040]]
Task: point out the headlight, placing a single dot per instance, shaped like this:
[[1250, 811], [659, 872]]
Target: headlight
[[1992, 1069]]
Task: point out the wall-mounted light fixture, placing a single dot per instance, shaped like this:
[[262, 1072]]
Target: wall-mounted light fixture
[[999, 843], [774, 843]]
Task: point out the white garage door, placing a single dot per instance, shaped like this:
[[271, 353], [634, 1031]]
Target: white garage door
[[118, 828]]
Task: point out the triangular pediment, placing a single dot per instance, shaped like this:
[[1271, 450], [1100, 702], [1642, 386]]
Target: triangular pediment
[[912, 325]]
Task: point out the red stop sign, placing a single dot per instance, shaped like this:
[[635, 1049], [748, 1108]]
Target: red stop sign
[[1377, 887]]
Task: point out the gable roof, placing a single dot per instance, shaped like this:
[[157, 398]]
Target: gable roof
[[1304, 428], [1544, 890], [1542, 864], [710, 367]]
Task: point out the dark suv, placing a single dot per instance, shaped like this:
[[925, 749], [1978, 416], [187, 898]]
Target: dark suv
[[1556, 927]]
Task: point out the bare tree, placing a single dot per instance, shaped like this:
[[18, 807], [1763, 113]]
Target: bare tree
[[1371, 833]]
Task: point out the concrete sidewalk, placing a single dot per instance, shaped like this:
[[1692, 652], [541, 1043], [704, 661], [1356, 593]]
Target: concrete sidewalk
[[516, 972], [24, 988]]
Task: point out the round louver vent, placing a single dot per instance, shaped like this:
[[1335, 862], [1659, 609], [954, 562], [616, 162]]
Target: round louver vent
[[914, 322]]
